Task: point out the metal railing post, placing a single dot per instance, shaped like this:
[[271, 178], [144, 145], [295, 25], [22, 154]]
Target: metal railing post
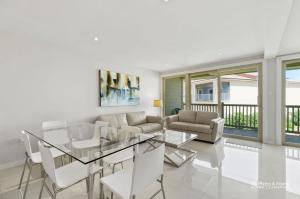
[[222, 109]]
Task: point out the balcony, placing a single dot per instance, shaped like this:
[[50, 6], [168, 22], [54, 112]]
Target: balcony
[[243, 119]]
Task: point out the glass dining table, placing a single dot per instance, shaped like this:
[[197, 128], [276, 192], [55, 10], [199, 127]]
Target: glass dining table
[[88, 143]]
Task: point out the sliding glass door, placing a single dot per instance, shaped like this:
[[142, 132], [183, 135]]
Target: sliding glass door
[[174, 95], [240, 102], [235, 93], [291, 105]]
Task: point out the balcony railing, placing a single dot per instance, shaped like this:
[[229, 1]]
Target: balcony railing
[[292, 115], [246, 115], [235, 115], [204, 107]]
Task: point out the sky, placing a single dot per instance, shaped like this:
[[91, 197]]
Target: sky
[[293, 74]]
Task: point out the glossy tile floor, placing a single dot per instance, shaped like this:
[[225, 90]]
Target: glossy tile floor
[[229, 169]]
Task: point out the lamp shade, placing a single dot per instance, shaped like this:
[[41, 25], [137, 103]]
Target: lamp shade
[[156, 103]]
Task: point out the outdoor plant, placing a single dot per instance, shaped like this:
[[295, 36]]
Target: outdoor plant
[[293, 121], [242, 120]]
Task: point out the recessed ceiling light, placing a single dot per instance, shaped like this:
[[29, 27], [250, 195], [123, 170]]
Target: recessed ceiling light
[[166, 0], [96, 39]]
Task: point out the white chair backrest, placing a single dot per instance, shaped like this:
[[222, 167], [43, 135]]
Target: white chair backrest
[[55, 132], [100, 129], [148, 167], [50, 125], [27, 144], [47, 161]]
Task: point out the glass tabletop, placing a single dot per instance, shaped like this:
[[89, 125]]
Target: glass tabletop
[[174, 138], [87, 142]]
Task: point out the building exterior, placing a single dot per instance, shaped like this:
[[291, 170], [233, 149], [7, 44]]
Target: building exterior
[[238, 89]]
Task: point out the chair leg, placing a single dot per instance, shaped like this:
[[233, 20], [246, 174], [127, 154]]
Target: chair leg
[[28, 178], [87, 185], [102, 173], [162, 187], [43, 184], [101, 191], [122, 165], [62, 160], [113, 169], [23, 172], [54, 191]]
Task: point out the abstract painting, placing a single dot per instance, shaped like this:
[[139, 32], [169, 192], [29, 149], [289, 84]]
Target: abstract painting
[[118, 89]]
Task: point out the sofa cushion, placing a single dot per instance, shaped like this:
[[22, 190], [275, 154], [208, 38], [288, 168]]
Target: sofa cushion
[[200, 128], [114, 120], [205, 117], [128, 131], [111, 119], [179, 126], [135, 118], [187, 116], [150, 127], [122, 119]]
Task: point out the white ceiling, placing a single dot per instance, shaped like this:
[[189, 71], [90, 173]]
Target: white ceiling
[[156, 34]]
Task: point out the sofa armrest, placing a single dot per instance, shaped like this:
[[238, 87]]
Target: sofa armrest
[[172, 118], [217, 126], [154, 119]]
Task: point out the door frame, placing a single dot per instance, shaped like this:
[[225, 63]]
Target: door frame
[[163, 107], [283, 101], [244, 68], [218, 73]]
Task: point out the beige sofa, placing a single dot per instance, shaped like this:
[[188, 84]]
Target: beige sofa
[[132, 122], [207, 125]]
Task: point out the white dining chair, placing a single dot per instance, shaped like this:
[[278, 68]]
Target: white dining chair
[[65, 176], [118, 158], [100, 131], [55, 132], [32, 158], [128, 183]]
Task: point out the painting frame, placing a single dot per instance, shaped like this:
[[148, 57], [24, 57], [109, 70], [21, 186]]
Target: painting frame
[[118, 89]]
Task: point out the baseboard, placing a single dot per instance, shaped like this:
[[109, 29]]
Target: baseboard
[[11, 164]]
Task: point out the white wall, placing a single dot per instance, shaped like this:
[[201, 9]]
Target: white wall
[[39, 81], [292, 94], [243, 92]]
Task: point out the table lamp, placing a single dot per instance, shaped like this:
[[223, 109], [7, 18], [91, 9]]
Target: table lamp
[[156, 103]]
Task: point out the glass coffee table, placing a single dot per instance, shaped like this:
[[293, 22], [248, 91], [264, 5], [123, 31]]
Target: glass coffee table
[[175, 154]]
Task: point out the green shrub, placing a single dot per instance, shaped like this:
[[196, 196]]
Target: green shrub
[[242, 120], [293, 121]]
